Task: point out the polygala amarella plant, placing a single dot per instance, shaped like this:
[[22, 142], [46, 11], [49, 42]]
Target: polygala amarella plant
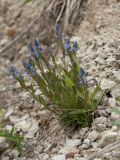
[[61, 88]]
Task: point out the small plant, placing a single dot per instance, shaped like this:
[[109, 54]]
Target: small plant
[[63, 87], [14, 140]]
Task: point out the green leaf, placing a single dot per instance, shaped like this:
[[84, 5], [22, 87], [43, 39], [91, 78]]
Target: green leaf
[[27, 1], [13, 139], [115, 110], [117, 123], [96, 90], [69, 82], [118, 98]]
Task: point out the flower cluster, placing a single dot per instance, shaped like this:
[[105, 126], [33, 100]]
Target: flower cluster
[[58, 32], [30, 70], [15, 73], [36, 51], [69, 48]]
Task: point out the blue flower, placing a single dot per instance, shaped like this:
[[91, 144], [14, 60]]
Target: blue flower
[[12, 70], [37, 44], [58, 31], [36, 50], [82, 77], [75, 46], [32, 50], [82, 73], [29, 68], [15, 73], [68, 45]]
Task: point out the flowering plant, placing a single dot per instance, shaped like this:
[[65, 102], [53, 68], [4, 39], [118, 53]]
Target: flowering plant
[[62, 88]]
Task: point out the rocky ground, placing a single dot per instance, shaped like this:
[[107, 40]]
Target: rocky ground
[[99, 39]]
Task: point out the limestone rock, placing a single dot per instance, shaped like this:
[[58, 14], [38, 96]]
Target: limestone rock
[[86, 143], [31, 132], [3, 143], [112, 102], [66, 150], [117, 74], [100, 127], [107, 138], [107, 84], [3, 42], [83, 131], [58, 157], [73, 143], [100, 120], [93, 136], [24, 125]]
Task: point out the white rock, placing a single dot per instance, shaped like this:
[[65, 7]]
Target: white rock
[[107, 138], [3, 143], [58, 157], [70, 146], [14, 153], [101, 120], [87, 141], [15, 119], [103, 113], [31, 132], [9, 112], [100, 127], [3, 42], [116, 92], [81, 158], [66, 150], [23, 125], [45, 157], [83, 131], [100, 60], [111, 60], [112, 102], [117, 74], [93, 136], [73, 143], [107, 84], [114, 128]]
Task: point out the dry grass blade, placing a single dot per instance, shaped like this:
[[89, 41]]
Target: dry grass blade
[[61, 12], [107, 149]]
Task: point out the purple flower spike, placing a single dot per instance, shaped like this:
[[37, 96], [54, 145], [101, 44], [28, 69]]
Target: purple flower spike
[[29, 68], [15, 73], [12, 70], [68, 45], [82, 73], [58, 31], [37, 45], [32, 50], [75, 46]]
